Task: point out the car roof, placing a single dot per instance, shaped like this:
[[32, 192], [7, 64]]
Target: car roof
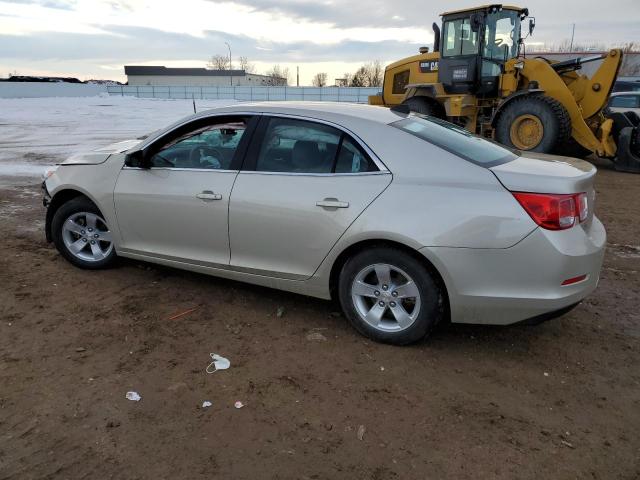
[[352, 116], [329, 111], [618, 94]]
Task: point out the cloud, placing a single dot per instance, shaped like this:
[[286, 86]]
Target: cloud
[[138, 44], [59, 4], [557, 16]]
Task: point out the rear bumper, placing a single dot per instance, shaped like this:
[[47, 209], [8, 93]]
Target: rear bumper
[[517, 284]]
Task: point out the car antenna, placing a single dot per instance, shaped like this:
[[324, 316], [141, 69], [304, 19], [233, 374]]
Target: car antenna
[[193, 98]]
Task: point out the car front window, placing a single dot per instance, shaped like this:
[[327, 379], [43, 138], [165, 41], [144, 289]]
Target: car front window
[[208, 147], [456, 140]]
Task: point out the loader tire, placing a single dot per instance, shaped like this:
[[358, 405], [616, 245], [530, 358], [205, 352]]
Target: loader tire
[[571, 148], [425, 106], [534, 123]]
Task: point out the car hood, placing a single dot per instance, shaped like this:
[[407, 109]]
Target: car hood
[[538, 172], [99, 155]]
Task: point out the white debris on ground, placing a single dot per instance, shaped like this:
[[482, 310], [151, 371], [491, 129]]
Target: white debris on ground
[[206, 404], [133, 396], [218, 363], [238, 404], [39, 132]]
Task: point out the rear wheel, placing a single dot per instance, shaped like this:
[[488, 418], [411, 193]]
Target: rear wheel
[[425, 106], [389, 296], [534, 122], [81, 234]]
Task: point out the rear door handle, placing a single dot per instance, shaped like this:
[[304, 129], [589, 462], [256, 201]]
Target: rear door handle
[[332, 203], [208, 195]]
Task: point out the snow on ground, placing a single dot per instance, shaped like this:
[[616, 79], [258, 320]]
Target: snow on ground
[[37, 132]]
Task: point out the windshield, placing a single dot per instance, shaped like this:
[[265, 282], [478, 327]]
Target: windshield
[[501, 35], [459, 39], [455, 140]]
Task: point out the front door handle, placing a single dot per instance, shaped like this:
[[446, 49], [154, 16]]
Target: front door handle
[[332, 203], [208, 195]]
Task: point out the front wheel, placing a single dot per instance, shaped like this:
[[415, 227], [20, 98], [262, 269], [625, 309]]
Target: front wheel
[[389, 296], [81, 234], [534, 123]]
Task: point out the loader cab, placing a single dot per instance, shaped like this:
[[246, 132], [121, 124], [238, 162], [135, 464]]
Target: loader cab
[[475, 44]]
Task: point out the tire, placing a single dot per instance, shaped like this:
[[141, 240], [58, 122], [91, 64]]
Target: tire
[[425, 106], [362, 293], [79, 222], [544, 117], [571, 148]]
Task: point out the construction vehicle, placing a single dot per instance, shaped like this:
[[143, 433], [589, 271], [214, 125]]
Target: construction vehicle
[[479, 77]]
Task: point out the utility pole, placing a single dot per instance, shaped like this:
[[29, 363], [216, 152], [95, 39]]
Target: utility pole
[[297, 76], [573, 31], [230, 66]]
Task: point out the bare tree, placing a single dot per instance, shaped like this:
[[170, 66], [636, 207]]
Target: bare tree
[[347, 77], [359, 79], [368, 75], [218, 62], [277, 74], [319, 80], [246, 65], [374, 73]]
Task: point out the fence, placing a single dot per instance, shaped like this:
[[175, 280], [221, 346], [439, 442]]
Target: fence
[[47, 89], [322, 94]]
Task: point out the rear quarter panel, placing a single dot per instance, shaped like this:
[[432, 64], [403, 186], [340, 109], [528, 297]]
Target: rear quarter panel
[[439, 199]]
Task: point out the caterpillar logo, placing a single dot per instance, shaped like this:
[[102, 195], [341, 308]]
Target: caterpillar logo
[[426, 67]]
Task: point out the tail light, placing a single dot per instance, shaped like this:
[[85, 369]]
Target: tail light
[[554, 211]]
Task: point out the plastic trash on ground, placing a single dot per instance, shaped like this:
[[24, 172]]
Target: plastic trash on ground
[[133, 396]]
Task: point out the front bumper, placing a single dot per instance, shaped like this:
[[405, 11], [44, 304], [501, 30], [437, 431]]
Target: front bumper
[[505, 286]]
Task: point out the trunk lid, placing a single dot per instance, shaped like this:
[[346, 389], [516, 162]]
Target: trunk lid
[[541, 173]]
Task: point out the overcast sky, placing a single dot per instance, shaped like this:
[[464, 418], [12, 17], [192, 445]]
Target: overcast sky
[[95, 38]]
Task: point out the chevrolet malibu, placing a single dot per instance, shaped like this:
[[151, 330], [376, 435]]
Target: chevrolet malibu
[[405, 219]]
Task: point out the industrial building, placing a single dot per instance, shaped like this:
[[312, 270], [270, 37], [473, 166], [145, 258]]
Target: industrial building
[[196, 77]]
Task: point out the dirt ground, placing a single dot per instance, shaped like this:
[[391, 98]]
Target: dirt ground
[[556, 401]]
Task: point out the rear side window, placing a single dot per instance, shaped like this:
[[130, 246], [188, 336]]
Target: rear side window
[[351, 159], [456, 140], [299, 146]]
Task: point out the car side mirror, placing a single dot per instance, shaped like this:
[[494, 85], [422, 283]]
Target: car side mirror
[[137, 159]]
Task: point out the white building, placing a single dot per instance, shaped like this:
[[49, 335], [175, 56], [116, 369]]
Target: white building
[[196, 77]]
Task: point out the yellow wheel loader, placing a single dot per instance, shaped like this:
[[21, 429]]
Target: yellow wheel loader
[[479, 77]]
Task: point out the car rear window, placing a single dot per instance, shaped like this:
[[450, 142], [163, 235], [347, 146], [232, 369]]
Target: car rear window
[[456, 140]]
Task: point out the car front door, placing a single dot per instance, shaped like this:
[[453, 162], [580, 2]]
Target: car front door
[[302, 184], [176, 207]]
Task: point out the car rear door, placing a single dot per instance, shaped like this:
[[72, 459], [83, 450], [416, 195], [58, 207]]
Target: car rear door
[[178, 208], [302, 184]]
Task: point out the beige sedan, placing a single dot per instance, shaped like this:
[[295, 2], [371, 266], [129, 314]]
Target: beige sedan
[[406, 219]]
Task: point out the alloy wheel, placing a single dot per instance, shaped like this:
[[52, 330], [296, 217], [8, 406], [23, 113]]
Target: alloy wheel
[[87, 237], [386, 297]]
